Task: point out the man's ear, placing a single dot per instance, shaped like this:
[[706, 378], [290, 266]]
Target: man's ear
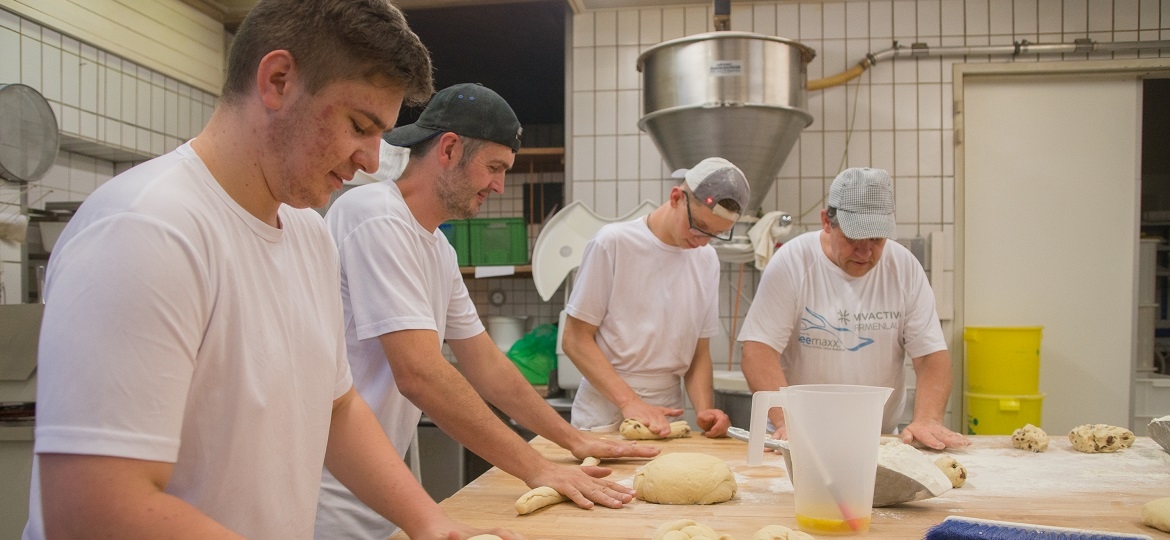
[[274, 78], [450, 149], [826, 225]]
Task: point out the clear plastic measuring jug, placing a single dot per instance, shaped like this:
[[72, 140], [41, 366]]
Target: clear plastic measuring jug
[[833, 432]]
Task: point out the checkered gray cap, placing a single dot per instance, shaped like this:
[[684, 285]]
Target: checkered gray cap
[[864, 199], [715, 181]]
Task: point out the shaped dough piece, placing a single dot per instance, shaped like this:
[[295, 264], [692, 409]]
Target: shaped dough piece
[[954, 470], [1096, 438], [686, 529], [545, 496], [1031, 438], [485, 537], [634, 429], [1156, 514], [780, 532], [685, 478]]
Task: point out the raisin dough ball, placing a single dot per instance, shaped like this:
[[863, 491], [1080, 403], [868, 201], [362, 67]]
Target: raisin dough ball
[[636, 430], [685, 478], [1031, 438], [954, 470], [1095, 438]]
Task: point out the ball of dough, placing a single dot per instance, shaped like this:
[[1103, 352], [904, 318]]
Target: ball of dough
[[686, 529], [635, 429], [1094, 438], [685, 478], [780, 532], [1156, 514], [1031, 438], [954, 470]]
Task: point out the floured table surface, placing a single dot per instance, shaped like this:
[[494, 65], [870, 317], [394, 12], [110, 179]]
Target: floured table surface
[[1059, 487]]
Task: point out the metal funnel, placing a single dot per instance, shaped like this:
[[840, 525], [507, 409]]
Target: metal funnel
[[735, 95]]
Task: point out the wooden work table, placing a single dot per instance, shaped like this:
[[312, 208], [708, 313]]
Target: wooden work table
[[1060, 487]]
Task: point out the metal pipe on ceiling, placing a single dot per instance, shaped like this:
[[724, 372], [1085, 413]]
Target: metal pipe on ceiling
[[918, 50]]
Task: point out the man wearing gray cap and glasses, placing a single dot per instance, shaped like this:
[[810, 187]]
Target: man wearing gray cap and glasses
[[842, 305], [645, 304]]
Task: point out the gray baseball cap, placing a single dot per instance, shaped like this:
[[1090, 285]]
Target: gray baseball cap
[[864, 199], [467, 109], [717, 183]]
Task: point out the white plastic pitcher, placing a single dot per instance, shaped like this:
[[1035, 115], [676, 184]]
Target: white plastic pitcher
[[833, 432]]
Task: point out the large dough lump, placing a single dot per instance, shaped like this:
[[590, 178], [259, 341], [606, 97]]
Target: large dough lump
[[634, 429], [1156, 514], [685, 478], [1031, 438], [1095, 438], [686, 529]]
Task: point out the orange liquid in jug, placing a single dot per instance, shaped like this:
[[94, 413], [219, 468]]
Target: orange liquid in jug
[[832, 526]]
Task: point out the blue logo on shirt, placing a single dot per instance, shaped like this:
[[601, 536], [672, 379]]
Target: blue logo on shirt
[[816, 331]]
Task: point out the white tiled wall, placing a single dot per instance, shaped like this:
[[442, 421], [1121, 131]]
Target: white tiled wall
[[99, 98], [896, 116]]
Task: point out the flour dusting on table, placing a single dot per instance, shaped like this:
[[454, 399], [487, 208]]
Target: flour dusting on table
[[1008, 471]]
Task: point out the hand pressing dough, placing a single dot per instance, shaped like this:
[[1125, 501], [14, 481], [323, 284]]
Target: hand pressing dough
[[686, 529], [1094, 438], [685, 478], [1156, 514], [1031, 438], [954, 470], [545, 496], [780, 532], [634, 429]]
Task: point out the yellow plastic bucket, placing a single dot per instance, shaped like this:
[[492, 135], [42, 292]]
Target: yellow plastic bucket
[[989, 414], [1003, 360]]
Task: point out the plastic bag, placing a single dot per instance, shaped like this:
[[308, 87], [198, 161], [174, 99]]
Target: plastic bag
[[535, 354]]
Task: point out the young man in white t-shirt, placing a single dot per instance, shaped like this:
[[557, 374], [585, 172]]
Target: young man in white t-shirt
[[192, 376], [842, 305], [645, 304]]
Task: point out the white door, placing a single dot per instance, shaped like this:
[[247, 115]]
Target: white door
[[1050, 201]]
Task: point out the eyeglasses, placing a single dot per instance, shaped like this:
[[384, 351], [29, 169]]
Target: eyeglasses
[[725, 235]]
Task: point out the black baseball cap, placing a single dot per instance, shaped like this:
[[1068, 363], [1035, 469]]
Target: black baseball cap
[[467, 109]]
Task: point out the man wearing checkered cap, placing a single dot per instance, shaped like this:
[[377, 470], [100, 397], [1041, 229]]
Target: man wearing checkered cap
[[645, 304], [843, 306]]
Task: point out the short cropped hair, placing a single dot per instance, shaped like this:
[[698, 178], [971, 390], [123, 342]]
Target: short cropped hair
[[331, 40], [471, 147]]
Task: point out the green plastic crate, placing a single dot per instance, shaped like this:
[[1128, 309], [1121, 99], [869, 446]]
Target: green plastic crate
[[458, 236], [498, 241]]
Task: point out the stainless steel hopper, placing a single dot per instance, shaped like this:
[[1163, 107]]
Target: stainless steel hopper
[[735, 95]]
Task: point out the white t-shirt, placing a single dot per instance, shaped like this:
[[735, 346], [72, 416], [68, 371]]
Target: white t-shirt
[[848, 330], [395, 275], [651, 302], [180, 328]]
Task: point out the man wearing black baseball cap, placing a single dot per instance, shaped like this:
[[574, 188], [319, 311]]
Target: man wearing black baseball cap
[[403, 296]]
